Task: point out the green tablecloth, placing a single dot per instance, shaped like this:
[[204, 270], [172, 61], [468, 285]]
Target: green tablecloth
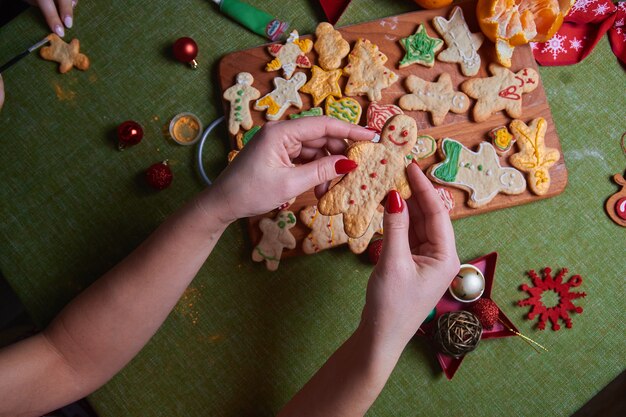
[[242, 340]]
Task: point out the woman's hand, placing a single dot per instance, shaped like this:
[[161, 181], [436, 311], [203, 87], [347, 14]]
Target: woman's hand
[[262, 176], [417, 263], [58, 13]]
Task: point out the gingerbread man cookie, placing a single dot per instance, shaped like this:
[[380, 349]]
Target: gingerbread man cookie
[[285, 94], [462, 44], [502, 91], [534, 156], [328, 231], [330, 46], [380, 169], [276, 236], [66, 54], [239, 96], [478, 173], [437, 98], [291, 55], [367, 72]]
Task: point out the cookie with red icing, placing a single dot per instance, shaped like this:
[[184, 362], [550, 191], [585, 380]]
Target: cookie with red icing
[[502, 91], [380, 169]]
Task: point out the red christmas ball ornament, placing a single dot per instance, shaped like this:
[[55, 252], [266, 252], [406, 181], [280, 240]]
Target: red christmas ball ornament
[[487, 312], [186, 50], [374, 250], [159, 176], [129, 133]]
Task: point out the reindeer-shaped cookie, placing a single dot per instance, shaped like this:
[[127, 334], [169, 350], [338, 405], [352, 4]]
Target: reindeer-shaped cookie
[[380, 169]]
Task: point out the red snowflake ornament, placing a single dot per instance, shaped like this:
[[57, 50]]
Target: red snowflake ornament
[[561, 289]]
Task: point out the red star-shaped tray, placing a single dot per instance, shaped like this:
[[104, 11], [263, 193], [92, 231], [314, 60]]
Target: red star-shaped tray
[[487, 265]]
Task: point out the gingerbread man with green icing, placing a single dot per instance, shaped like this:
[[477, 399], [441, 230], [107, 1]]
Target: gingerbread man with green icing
[[239, 96], [276, 236], [380, 169]]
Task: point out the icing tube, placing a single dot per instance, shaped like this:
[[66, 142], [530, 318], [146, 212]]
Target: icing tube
[[256, 20]]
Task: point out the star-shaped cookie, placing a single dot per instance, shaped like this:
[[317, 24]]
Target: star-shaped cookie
[[534, 157], [291, 55], [322, 84], [285, 94], [462, 44], [420, 48], [66, 54], [437, 98], [502, 91]]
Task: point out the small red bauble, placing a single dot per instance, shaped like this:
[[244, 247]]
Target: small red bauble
[[129, 133], [186, 50], [374, 250], [487, 312], [159, 176]]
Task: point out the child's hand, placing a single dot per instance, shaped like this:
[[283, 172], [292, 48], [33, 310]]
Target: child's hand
[[416, 266], [55, 11], [262, 176]]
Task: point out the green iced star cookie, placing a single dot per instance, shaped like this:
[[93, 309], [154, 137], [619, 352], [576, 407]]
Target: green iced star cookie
[[420, 48]]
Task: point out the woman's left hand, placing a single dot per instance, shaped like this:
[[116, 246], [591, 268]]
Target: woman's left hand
[[262, 176]]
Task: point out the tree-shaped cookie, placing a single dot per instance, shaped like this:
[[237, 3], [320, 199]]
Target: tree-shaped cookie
[[462, 44], [276, 236], [328, 231], [66, 54], [239, 96], [380, 169], [322, 84], [437, 98], [285, 94], [290, 56], [534, 157], [478, 173], [367, 72], [330, 46], [502, 91], [419, 48]]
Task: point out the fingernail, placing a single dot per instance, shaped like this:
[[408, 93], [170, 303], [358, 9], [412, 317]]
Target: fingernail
[[58, 29], [394, 202], [343, 166], [74, 2], [68, 21], [415, 161]]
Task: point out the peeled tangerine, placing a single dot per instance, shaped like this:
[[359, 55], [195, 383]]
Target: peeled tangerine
[[510, 23]]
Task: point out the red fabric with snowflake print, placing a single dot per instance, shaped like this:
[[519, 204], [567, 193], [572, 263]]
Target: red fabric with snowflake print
[[584, 26], [617, 33]]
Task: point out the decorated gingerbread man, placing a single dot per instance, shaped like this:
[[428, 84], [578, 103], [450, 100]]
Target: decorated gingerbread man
[[462, 44], [66, 54], [479, 173], [239, 96], [285, 94], [276, 236], [437, 98], [502, 91], [291, 55], [380, 169], [328, 231]]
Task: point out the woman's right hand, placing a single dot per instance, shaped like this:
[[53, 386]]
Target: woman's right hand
[[417, 263]]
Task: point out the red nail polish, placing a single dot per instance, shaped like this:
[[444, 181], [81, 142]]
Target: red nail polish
[[394, 202], [415, 161], [343, 166]]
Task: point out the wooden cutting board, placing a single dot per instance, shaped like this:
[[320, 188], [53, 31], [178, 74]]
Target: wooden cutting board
[[386, 33]]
